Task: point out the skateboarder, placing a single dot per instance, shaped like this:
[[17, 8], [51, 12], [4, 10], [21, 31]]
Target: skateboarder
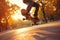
[[31, 4]]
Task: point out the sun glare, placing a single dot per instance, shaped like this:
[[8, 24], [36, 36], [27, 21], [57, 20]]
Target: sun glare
[[17, 14], [18, 3]]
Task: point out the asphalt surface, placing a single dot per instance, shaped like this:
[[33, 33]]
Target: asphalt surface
[[49, 31]]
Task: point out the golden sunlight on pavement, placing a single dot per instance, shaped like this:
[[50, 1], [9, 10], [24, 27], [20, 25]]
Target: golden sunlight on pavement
[[29, 34], [37, 32]]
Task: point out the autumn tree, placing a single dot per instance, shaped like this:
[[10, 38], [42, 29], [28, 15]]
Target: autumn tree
[[3, 18]]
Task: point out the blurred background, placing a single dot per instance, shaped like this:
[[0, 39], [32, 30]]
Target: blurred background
[[11, 17]]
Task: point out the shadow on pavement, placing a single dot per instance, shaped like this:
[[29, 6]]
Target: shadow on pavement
[[50, 33]]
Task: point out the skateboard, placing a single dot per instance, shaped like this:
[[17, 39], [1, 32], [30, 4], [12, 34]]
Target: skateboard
[[29, 17]]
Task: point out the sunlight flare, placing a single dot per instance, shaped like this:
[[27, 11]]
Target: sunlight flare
[[17, 13], [18, 3]]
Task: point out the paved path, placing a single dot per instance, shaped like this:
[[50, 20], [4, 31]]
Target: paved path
[[50, 31]]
